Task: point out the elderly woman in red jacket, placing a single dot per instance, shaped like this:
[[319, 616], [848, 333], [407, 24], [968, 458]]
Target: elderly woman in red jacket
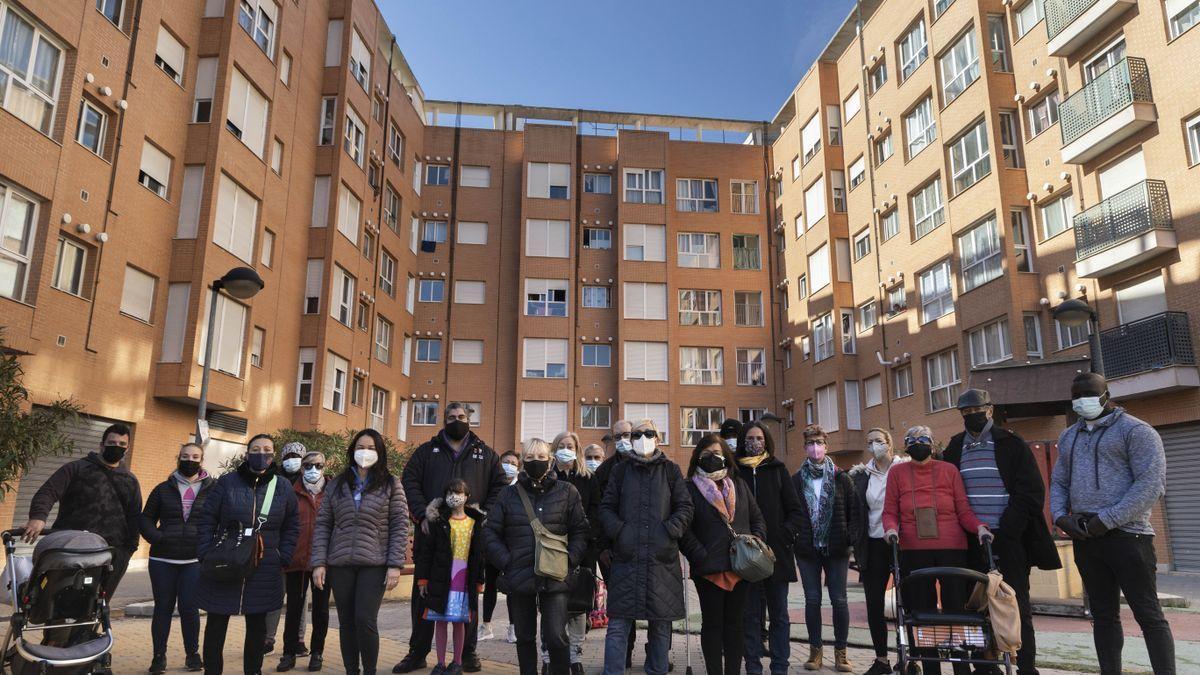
[[310, 490], [926, 510]]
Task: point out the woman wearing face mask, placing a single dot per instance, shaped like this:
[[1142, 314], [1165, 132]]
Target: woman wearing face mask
[[510, 462], [508, 534], [828, 529], [228, 506], [174, 569], [723, 505], [570, 466], [359, 545], [310, 491], [871, 552], [772, 488], [927, 512], [645, 512]]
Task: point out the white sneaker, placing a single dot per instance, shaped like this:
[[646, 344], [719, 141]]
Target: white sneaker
[[512, 634], [485, 632]]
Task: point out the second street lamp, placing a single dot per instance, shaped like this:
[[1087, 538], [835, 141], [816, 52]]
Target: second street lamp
[[242, 283], [1075, 312]]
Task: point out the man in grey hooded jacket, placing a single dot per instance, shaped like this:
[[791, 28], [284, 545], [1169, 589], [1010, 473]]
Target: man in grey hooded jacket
[[1111, 470]]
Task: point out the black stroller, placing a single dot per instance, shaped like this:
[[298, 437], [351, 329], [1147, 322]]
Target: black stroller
[[63, 599], [947, 637]]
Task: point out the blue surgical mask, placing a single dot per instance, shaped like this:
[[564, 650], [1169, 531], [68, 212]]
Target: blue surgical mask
[[291, 465], [565, 456], [592, 464], [510, 470], [1088, 407], [624, 446], [312, 476]]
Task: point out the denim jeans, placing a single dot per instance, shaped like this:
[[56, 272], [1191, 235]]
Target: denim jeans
[[171, 584], [523, 609], [616, 642], [775, 595], [835, 570]]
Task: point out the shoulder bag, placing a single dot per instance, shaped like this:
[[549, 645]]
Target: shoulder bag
[[550, 557], [750, 557], [237, 550]]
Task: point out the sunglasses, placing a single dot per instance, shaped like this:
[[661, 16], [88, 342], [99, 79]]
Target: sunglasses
[[624, 436], [312, 466], [910, 440], [648, 433]]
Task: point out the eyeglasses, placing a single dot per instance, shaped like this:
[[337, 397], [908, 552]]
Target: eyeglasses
[[648, 433], [912, 440], [306, 467], [622, 436]]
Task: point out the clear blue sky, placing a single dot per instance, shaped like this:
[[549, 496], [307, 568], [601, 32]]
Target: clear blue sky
[[735, 59]]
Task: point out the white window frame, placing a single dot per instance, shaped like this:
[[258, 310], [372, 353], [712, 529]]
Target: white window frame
[[590, 356], [981, 255], [646, 361], [1043, 113], [825, 400], [33, 87], [862, 244], [637, 246], [97, 140], [751, 366], [902, 385], [1192, 131], [379, 397], [1029, 15], [920, 127], [1033, 338], [699, 307], [990, 343], [847, 328], [475, 176], [643, 186], [943, 377], [261, 28], [1010, 139], [597, 183], [547, 353], [742, 308], [1065, 207], [360, 52], [341, 302], [236, 222], [970, 158], [425, 414], [175, 61], [643, 291], [851, 105], [550, 295], [1071, 336], [913, 48], [547, 238], [387, 273], [426, 290], [936, 288], [889, 223], [959, 66], [1182, 17], [466, 351], [702, 366], [822, 337], [153, 155], [589, 416], [434, 231], [305, 372], [698, 250], [425, 350], [596, 297], [819, 273], [815, 205], [884, 149], [928, 208], [383, 339], [751, 256], [597, 238], [470, 292], [696, 195], [328, 120], [696, 421], [868, 315], [136, 300], [355, 137], [857, 172], [743, 196]]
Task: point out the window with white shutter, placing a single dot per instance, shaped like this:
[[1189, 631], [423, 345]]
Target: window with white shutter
[[247, 115], [547, 238], [169, 55], [818, 268], [175, 323], [646, 361], [810, 139], [472, 233], [333, 43], [230, 333], [349, 213], [466, 351], [827, 407], [312, 285], [545, 358], [655, 412], [549, 181], [646, 243], [137, 296], [337, 370], [305, 374], [476, 176], [320, 205], [470, 292], [189, 202], [645, 300], [542, 419], [853, 405], [814, 203], [155, 173], [206, 83], [545, 297], [872, 391], [237, 219], [360, 60], [341, 306]]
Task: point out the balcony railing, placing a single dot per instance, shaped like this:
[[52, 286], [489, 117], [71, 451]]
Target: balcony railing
[[1060, 14], [1126, 82], [1152, 343], [1133, 211]]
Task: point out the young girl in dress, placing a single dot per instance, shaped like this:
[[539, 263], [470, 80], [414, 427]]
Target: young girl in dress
[[451, 569]]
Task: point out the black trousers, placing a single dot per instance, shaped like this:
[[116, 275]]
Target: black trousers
[[491, 574], [215, 628], [297, 585], [523, 609], [1013, 564], [874, 578], [358, 592], [420, 640], [721, 637], [1123, 562], [923, 594]]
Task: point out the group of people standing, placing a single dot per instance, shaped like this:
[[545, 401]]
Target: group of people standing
[[483, 522]]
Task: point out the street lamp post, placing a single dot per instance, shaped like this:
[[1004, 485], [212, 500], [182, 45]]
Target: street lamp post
[[1077, 312], [242, 283]]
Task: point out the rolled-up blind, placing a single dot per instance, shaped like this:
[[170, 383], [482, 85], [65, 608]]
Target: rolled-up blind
[[171, 52]]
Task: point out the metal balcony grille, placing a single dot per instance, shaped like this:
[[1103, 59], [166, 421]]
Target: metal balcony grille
[[1111, 92], [1060, 14], [1158, 341], [1133, 211]]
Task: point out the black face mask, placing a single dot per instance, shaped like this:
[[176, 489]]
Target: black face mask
[[975, 422], [711, 463], [457, 430], [920, 451], [112, 453], [188, 468], [537, 468]]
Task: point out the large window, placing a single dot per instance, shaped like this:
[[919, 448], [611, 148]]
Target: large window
[[237, 219], [699, 308], [1056, 216], [960, 66], [597, 238], [425, 414], [247, 114], [355, 138], [597, 297], [466, 351], [155, 172], [349, 214], [919, 127], [644, 186], [432, 290], [989, 343], [229, 330], [113, 10], [545, 297], [818, 268], [914, 49], [701, 365], [646, 243], [998, 42], [902, 382], [257, 18], [751, 367], [360, 60], [1029, 15], [814, 203], [551, 181], [745, 252], [470, 292], [867, 315], [927, 209], [546, 358], [744, 196], [429, 350], [696, 422], [169, 55], [970, 159], [646, 361], [595, 416], [597, 356], [700, 250], [937, 300], [19, 217], [1043, 113], [822, 332], [942, 373], [30, 69], [810, 141], [979, 249], [696, 195], [1182, 15], [1070, 336], [70, 267], [851, 105], [645, 301], [475, 176], [748, 306], [826, 412], [597, 183], [547, 238]]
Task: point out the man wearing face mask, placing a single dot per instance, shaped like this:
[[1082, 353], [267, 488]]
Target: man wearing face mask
[[455, 452], [622, 447], [730, 430], [1004, 487], [1111, 470]]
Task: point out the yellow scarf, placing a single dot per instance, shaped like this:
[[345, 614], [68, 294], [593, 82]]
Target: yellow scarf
[[753, 461]]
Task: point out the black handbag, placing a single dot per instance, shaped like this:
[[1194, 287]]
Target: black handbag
[[237, 550]]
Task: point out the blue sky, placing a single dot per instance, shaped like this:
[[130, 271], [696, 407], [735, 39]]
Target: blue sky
[[735, 59]]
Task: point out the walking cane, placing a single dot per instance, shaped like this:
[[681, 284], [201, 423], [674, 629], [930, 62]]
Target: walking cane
[[687, 632]]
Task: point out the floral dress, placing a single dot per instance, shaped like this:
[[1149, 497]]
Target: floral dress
[[458, 608]]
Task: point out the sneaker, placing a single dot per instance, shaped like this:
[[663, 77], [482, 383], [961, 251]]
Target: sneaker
[[194, 663], [408, 664], [269, 646], [485, 632], [286, 663], [879, 668], [315, 662], [158, 664], [512, 635], [470, 664]]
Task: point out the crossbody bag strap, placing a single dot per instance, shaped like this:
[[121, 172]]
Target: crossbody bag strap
[[534, 522], [264, 511]]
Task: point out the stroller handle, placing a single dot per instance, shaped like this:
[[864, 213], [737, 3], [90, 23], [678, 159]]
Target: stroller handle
[[18, 532]]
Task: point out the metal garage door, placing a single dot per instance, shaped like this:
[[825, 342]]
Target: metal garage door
[[1182, 445], [85, 433]]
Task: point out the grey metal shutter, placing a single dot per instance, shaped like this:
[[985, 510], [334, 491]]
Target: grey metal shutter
[[1182, 445], [86, 435]]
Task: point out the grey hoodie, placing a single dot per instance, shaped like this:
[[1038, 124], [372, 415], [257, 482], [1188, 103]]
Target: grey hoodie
[[1117, 470]]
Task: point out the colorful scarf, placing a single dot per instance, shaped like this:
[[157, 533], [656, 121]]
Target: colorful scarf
[[753, 461], [723, 497], [820, 507]]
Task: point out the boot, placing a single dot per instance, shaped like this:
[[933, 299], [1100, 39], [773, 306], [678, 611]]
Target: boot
[[815, 658], [841, 661], [315, 662], [286, 663], [158, 664], [194, 662]]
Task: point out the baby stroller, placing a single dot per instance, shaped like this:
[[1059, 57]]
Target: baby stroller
[[63, 599], [947, 637]]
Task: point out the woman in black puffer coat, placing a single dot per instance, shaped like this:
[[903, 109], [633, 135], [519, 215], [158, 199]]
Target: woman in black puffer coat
[[234, 501], [508, 534]]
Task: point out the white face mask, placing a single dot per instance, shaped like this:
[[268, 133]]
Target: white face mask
[[1088, 407], [565, 456], [644, 446], [366, 458], [879, 449], [455, 500], [624, 447], [592, 464], [291, 465], [510, 470], [312, 475]]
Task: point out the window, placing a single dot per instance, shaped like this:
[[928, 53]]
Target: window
[[360, 59], [417, 174], [395, 144], [1043, 113], [998, 42], [597, 297], [646, 361], [936, 297], [432, 290], [391, 208], [1019, 220], [858, 172], [328, 116], [349, 213], [383, 340], [940, 6], [155, 172], [472, 233], [550, 181], [545, 358], [744, 195], [699, 308], [826, 410], [1192, 130], [475, 176], [745, 252], [960, 66], [470, 292], [814, 203], [342, 304], [1010, 140], [277, 156], [872, 392], [799, 227], [428, 350], [595, 416], [697, 195], [230, 331], [701, 365], [547, 238], [169, 55], [113, 10], [425, 414], [406, 363], [1106, 58], [257, 18], [927, 211], [748, 308], [696, 422], [833, 120], [862, 244], [1028, 16], [883, 149], [699, 250], [942, 372], [1056, 216], [379, 399], [802, 286], [545, 297], [313, 281], [466, 351], [805, 347], [920, 127], [1182, 15], [810, 139], [1071, 336], [851, 105], [837, 185], [748, 415], [237, 219], [979, 250], [822, 331], [989, 343], [890, 224], [867, 317], [285, 69], [914, 49], [248, 112], [969, 158], [597, 183], [434, 232], [597, 356], [1033, 336], [206, 75], [751, 367], [897, 299], [818, 268], [644, 186], [364, 314], [645, 301], [846, 325], [902, 382], [258, 338], [598, 238], [30, 69], [355, 137], [137, 295], [268, 248], [387, 273], [796, 167], [542, 419], [304, 376], [646, 243]]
